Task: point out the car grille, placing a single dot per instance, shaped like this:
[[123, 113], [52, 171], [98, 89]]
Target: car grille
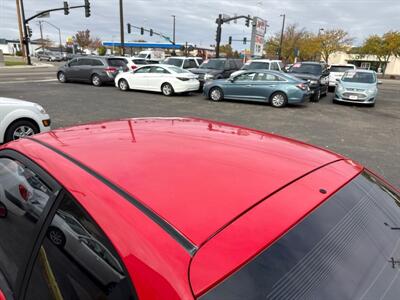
[[355, 90], [350, 95]]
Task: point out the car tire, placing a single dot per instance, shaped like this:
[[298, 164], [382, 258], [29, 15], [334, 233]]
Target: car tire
[[96, 80], [316, 97], [123, 85], [167, 89], [19, 129], [278, 100], [216, 94], [325, 93], [56, 236], [61, 77]]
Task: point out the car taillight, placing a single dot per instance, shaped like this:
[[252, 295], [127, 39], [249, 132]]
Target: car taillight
[[302, 86], [110, 69], [183, 78], [133, 67], [23, 192]]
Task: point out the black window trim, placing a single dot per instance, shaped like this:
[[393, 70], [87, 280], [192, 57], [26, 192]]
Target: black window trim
[[59, 192]]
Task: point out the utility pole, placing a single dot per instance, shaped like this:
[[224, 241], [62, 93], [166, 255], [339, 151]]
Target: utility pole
[[218, 36], [173, 30], [26, 37], [41, 35], [281, 42], [121, 25], [21, 35], [59, 33]]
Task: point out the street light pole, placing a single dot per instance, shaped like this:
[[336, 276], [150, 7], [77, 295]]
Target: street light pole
[[26, 37], [173, 30], [281, 42], [59, 33], [121, 25]]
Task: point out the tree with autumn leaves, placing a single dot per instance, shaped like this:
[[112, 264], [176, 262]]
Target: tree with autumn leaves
[[85, 41]]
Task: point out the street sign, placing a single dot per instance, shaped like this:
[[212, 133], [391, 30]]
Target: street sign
[[44, 15], [261, 26], [257, 37], [258, 45]]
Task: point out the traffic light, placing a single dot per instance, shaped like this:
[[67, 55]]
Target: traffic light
[[141, 30], [151, 32], [129, 28], [248, 21], [244, 41], [29, 31], [87, 8], [230, 40], [66, 8]]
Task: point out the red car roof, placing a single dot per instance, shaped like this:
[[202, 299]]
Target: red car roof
[[196, 175]]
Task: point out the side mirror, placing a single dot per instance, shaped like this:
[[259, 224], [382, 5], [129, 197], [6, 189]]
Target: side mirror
[[231, 79]]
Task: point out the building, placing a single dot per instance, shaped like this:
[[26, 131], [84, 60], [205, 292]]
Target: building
[[369, 62], [11, 47]]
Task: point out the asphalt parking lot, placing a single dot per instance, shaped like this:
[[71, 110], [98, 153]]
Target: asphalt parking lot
[[368, 135]]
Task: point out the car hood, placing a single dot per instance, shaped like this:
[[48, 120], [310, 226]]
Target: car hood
[[305, 76], [356, 85], [12, 101], [205, 71]]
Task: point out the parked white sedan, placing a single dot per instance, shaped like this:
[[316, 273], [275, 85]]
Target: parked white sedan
[[158, 78], [20, 118]]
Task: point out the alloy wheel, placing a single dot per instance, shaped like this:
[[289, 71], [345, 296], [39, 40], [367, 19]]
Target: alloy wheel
[[22, 131]]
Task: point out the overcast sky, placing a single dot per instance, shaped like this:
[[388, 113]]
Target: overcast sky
[[195, 20]]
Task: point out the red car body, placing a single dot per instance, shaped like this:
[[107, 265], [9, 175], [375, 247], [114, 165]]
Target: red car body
[[196, 191]]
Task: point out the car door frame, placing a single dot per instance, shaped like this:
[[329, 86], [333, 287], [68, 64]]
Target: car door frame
[[244, 85], [268, 87], [43, 222], [142, 78]]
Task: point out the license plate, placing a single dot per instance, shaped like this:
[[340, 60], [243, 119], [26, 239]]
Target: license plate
[[353, 97]]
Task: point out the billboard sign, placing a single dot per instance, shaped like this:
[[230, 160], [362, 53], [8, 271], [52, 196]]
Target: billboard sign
[[257, 37]]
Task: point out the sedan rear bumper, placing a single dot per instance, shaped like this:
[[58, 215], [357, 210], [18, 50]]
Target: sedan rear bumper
[[186, 86]]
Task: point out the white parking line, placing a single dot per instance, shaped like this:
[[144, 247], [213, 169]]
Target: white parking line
[[28, 81]]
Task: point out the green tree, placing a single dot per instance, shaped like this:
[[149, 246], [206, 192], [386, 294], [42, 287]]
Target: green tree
[[102, 50], [334, 40]]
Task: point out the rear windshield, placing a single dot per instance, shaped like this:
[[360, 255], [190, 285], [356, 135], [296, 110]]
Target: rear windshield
[[348, 248], [139, 61], [256, 66], [313, 69], [117, 62], [341, 69], [216, 64]]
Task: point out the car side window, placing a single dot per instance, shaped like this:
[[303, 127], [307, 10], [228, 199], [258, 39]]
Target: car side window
[[96, 62], [24, 197], [143, 70], [76, 260], [73, 63], [158, 70], [267, 77], [275, 66], [85, 62], [232, 65], [245, 77], [199, 61]]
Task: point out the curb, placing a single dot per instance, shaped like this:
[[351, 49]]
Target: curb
[[28, 67]]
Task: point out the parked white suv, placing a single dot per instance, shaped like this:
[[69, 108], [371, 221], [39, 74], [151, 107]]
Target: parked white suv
[[337, 71], [260, 64], [184, 62], [20, 118]]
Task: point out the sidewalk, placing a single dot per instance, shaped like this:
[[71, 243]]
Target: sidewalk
[[35, 65]]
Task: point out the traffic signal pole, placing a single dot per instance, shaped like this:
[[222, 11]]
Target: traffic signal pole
[[26, 38], [121, 26]]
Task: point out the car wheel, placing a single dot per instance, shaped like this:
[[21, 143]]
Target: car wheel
[[123, 85], [61, 77], [56, 236], [316, 96], [20, 129], [216, 94], [278, 100], [167, 89], [324, 94], [96, 81]]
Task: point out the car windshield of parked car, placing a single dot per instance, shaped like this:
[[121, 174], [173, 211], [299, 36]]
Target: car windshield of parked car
[[312, 69], [256, 66], [340, 69], [177, 70], [117, 62], [143, 55], [213, 64], [359, 77], [173, 62], [139, 61], [348, 248]]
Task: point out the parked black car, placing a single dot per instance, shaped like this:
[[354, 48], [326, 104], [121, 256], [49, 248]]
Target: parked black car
[[316, 73], [216, 68], [94, 69]]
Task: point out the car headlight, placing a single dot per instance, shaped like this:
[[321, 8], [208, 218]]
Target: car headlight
[[314, 82], [40, 108], [372, 90], [208, 76], [340, 88]]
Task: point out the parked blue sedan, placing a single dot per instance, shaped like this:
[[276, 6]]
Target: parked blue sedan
[[272, 87]]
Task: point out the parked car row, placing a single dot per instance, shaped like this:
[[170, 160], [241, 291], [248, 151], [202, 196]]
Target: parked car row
[[220, 78]]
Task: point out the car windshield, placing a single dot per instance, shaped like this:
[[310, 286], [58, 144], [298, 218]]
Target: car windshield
[[216, 64], [177, 70], [143, 55], [340, 69], [139, 61], [256, 66], [173, 61], [359, 77], [312, 69], [348, 248]]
